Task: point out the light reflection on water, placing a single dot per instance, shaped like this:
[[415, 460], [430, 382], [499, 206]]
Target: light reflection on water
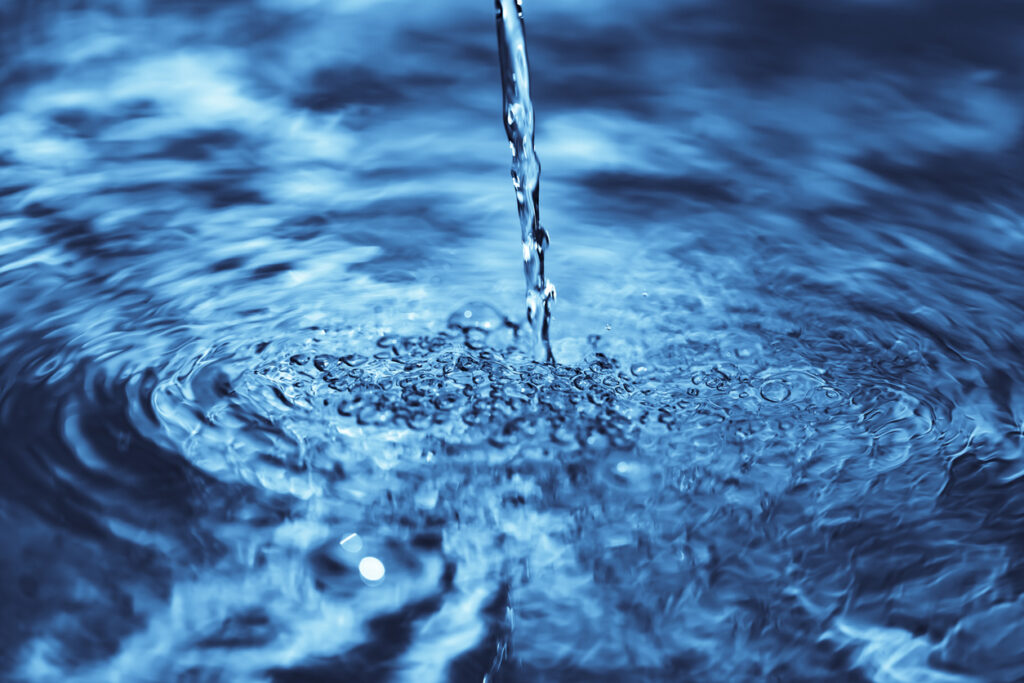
[[242, 442]]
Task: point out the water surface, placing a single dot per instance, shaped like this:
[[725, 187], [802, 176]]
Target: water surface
[[782, 441]]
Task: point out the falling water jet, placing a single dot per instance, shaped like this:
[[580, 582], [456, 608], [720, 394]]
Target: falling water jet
[[518, 109]]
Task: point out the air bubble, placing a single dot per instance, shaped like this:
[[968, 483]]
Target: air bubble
[[775, 391], [639, 369], [477, 315], [351, 543]]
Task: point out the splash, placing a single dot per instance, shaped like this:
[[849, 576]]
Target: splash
[[515, 82]]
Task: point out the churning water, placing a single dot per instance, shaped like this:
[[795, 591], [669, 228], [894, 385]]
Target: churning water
[[269, 410]]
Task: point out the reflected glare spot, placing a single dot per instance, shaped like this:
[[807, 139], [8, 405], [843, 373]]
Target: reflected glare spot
[[371, 569]]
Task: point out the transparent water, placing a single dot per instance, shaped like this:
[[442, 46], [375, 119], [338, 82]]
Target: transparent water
[[519, 126], [249, 432]]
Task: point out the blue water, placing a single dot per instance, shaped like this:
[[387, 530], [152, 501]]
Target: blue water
[[266, 412], [520, 127]]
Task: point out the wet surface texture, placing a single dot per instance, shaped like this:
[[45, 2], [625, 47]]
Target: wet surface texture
[[265, 409]]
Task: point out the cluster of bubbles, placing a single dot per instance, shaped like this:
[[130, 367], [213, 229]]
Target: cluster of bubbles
[[452, 483], [655, 492], [472, 387]]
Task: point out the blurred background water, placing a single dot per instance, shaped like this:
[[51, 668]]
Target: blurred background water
[[263, 415]]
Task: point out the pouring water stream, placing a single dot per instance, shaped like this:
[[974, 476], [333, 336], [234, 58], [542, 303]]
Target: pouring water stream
[[518, 109]]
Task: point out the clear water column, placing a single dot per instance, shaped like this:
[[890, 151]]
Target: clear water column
[[515, 81]]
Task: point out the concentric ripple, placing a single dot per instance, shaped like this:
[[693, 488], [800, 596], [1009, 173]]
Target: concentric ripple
[[489, 495]]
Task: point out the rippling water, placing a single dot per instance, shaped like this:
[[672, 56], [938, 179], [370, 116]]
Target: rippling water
[[265, 413]]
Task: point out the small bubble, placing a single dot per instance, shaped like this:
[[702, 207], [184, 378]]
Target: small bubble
[[477, 315], [727, 370], [426, 498], [351, 543], [476, 339], [323, 362], [775, 391], [371, 569]]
